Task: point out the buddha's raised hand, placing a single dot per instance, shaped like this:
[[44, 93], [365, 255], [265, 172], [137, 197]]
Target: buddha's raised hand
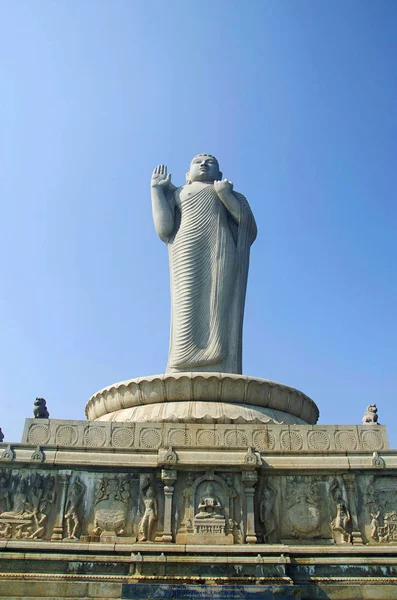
[[160, 177]]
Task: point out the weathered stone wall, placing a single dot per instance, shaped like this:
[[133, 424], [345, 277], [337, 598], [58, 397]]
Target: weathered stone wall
[[87, 503]]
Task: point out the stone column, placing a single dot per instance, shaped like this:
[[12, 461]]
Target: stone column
[[168, 476], [63, 480], [249, 479], [350, 483]]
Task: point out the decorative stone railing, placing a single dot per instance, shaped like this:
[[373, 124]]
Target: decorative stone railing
[[264, 438]]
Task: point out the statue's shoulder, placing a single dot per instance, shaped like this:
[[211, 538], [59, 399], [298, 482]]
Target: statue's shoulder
[[239, 195]]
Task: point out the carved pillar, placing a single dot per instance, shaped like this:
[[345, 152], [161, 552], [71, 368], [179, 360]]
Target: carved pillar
[[249, 479], [63, 480], [350, 483], [168, 476]]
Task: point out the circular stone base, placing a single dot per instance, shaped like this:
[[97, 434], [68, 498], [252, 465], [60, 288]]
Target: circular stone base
[[192, 397], [201, 412]]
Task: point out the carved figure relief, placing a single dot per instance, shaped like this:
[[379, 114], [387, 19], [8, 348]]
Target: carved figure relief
[[209, 509], [266, 513], [187, 520], [26, 500], [111, 505], [377, 460], [8, 453], [381, 505], [149, 519], [209, 506], [73, 510], [303, 503], [341, 522], [210, 517]]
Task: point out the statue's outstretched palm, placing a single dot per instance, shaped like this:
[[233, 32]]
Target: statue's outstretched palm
[[160, 177]]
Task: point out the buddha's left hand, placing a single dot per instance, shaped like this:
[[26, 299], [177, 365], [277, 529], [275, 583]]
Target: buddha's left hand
[[223, 187]]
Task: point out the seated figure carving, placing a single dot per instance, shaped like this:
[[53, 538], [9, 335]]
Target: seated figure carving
[[21, 509], [209, 506]]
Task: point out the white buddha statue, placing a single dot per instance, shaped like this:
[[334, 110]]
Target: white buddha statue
[[208, 229]]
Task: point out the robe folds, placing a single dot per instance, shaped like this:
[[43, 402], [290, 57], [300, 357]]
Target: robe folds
[[209, 259]]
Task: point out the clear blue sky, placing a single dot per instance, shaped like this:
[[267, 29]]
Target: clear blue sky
[[296, 99]]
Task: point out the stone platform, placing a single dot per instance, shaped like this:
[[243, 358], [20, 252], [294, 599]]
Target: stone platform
[[90, 508]]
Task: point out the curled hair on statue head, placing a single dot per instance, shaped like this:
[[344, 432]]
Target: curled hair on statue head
[[208, 156]]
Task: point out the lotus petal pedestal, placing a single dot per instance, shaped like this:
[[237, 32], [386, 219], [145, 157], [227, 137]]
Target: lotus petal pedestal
[[202, 397]]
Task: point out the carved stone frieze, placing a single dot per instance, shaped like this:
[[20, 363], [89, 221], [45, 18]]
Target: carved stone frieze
[[39, 434], [341, 523], [377, 461], [25, 502], [112, 494], [148, 522], [302, 505], [381, 507], [168, 457], [73, 515], [154, 436], [252, 458], [267, 513], [208, 509], [38, 455], [8, 453]]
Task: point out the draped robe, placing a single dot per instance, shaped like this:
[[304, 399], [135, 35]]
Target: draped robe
[[209, 258]]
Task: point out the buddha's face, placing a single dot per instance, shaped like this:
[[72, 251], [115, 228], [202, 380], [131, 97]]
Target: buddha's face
[[204, 168]]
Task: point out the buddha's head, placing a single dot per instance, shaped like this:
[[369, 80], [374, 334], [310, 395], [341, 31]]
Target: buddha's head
[[204, 167]]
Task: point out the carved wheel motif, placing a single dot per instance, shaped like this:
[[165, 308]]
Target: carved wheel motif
[[66, 435], [264, 440], [39, 434], [123, 438], [318, 440], [372, 440], [150, 438], [207, 438], [235, 438], [179, 437], [345, 440], [95, 436], [291, 440]]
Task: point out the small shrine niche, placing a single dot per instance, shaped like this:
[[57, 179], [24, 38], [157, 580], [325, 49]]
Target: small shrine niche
[[208, 517]]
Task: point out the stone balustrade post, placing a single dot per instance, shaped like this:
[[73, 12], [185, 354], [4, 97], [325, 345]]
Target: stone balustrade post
[[168, 476], [249, 479], [63, 481], [350, 483]]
